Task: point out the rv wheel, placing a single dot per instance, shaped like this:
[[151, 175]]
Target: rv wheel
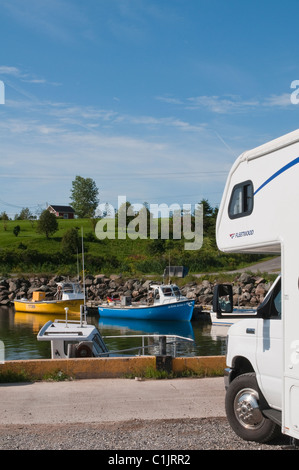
[[243, 411]]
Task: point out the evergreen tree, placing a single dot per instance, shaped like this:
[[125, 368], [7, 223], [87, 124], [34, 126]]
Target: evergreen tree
[[47, 223], [16, 230], [70, 242]]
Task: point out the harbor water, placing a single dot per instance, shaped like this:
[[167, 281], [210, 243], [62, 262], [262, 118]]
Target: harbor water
[[18, 332]]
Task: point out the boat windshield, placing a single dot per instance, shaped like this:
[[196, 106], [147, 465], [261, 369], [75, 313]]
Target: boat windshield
[[99, 344], [71, 288], [66, 344], [176, 291], [167, 291]]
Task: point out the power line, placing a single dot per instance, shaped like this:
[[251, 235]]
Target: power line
[[160, 174], [22, 206]]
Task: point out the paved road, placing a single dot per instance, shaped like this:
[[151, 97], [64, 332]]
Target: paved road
[[120, 414], [106, 400], [272, 266]]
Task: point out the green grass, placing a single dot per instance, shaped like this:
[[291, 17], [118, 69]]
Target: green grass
[[31, 252], [12, 377], [56, 376], [152, 373]]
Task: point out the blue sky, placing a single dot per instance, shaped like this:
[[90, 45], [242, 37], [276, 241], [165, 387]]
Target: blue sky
[[153, 99]]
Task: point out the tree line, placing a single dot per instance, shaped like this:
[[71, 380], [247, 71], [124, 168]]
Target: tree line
[[85, 201]]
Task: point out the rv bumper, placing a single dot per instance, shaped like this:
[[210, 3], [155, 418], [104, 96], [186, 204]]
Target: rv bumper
[[227, 377]]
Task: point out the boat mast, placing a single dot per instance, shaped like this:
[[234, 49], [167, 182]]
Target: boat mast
[[78, 272], [83, 278]]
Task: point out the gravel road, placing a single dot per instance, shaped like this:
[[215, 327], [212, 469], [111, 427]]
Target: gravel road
[[120, 414]]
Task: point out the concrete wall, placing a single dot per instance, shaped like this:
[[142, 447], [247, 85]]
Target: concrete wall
[[202, 365], [111, 367]]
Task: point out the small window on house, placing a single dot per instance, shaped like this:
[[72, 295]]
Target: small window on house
[[241, 202]]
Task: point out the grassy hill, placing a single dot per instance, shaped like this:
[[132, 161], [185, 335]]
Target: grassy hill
[[31, 252]]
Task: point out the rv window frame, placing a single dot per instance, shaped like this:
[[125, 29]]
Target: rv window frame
[[243, 213]]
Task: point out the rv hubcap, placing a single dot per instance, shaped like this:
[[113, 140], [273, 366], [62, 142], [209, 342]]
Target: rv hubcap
[[247, 408]]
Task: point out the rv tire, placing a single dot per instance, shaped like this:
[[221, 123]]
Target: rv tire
[[242, 404]]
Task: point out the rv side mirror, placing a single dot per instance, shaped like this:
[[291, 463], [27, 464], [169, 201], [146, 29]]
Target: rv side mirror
[[223, 299]]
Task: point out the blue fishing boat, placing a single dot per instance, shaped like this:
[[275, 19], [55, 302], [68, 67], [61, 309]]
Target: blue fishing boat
[[164, 302]]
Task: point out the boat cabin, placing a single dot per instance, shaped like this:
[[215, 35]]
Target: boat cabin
[[69, 291], [71, 338], [164, 293]]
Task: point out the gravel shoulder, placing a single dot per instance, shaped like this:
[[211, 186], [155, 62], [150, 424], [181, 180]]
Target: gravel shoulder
[[173, 434]]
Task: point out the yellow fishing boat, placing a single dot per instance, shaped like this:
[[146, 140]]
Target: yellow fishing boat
[[68, 295]]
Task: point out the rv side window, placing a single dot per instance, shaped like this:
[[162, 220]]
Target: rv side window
[[241, 202]]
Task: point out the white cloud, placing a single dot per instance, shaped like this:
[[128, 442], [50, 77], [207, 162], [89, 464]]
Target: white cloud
[[7, 70], [146, 157], [35, 80], [59, 19], [278, 100], [12, 77], [221, 105], [170, 122], [228, 104], [169, 99]]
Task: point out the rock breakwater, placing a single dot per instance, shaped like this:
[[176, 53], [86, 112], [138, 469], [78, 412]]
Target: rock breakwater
[[249, 290]]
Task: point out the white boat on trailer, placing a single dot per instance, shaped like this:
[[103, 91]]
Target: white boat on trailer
[[72, 338]]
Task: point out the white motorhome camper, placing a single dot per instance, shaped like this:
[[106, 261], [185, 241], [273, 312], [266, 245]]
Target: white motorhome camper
[[258, 214]]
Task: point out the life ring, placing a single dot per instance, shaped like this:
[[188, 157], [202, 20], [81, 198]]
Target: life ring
[[83, 350]]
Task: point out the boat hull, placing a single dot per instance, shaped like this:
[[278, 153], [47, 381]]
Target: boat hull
[[178, 311], [50, 307]]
